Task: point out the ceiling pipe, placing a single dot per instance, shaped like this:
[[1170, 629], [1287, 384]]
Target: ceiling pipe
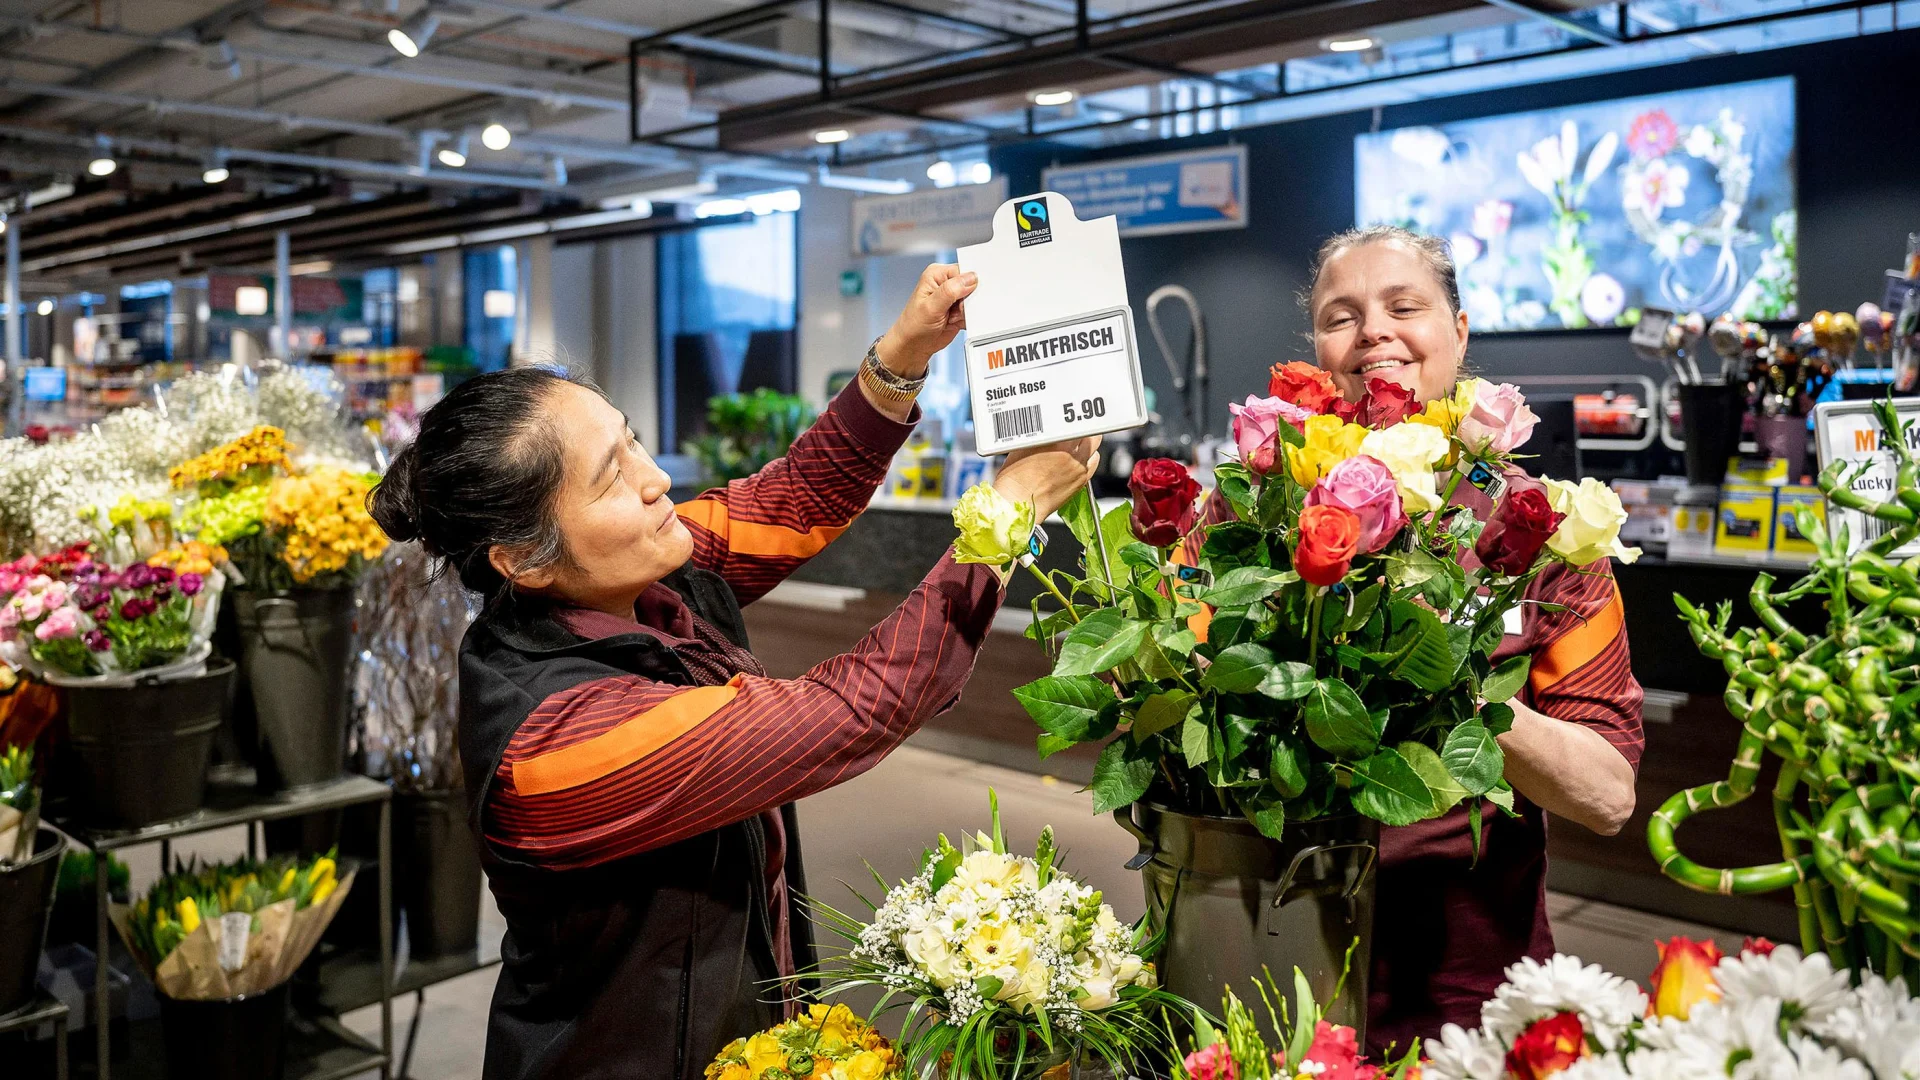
[[808, 65]]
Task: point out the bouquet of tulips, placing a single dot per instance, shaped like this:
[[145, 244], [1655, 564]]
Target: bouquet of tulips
[[19, 805], [823, 1043], [209, 933], [1323, 642], [1769, 1012], [67, 617]]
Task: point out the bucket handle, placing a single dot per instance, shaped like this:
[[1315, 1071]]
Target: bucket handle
[[266, 634], [1124, 815], [1286, 879]]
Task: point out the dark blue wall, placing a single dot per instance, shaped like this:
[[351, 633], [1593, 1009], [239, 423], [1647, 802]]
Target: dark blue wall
[[1859, 191]]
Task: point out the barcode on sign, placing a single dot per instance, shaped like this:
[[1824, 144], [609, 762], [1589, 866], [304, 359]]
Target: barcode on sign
[[1016, 423], [1867, 529]]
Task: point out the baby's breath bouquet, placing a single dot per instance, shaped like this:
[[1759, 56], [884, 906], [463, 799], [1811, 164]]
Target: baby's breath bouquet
[[1005, 962]]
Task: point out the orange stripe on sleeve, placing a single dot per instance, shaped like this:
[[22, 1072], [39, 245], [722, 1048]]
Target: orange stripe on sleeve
[[585, 762], [1572, 650], [757, 538]]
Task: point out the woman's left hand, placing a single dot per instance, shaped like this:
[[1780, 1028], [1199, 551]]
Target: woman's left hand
[[932, 317]]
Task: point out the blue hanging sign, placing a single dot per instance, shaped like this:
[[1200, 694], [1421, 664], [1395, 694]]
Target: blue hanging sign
[[1188, 191]]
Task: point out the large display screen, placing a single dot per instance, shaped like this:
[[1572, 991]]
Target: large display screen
[[1579, 217]]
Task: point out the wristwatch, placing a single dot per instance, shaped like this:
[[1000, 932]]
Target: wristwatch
[[883, 383]]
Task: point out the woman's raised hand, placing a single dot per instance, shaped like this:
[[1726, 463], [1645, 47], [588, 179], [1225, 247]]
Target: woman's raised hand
[[1048, 475], [932, 317]]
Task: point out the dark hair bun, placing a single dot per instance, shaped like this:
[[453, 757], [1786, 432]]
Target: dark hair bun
[[393, 503]]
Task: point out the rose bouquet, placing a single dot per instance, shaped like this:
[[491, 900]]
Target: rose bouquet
[[1324, 644], [68, 617], [1313, 1048], [823, 1043], [1007, 960], [1769, 1013]]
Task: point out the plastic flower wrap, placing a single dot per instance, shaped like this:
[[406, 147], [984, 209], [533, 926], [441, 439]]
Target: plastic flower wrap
[[69, 618], [1767, 1012], [1311, 1046], [406, 682], [19, 805], [1010, 958], [209, 933], [823, 1043]]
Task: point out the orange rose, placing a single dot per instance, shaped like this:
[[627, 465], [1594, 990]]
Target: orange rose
[[1304, 385], [1329, 536], [1547, 1047]]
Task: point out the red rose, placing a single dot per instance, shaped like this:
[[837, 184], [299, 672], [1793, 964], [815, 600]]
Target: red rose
[[1384, 404], [1547, 1047], [1163, 497], [1758, 946], [1518, 528], [1329, 536], [1304, 385]]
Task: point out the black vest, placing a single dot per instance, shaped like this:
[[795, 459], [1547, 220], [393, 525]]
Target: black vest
[[644, 967]]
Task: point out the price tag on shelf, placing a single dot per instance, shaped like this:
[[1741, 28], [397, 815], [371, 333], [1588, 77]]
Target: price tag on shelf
[[1051, 352], [1848, 431]]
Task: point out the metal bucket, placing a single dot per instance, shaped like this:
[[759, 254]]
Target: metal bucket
[[26, 896], [437, 875], [1235, 904], [296, 649], [144, 748]]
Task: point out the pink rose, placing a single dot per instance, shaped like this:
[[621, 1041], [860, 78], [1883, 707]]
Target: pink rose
[[1364, 486], [1499, 422], [1256, 425], [63, 623]]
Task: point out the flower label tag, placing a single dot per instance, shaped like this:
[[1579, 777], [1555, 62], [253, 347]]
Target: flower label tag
[[235, 928], [1488, 480], [1051, 352]]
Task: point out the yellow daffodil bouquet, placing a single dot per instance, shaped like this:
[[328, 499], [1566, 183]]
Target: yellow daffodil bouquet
[[209, 933], [1005, 963], [823, 1043], [285, 527]]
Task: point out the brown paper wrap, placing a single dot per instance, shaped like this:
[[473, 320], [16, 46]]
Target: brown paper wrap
[[281, 944]]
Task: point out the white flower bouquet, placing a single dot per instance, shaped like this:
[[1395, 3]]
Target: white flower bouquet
[[1006, 962], [1769, 1013]]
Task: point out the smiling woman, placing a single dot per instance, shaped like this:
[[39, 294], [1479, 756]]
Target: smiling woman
[[1386, 305]]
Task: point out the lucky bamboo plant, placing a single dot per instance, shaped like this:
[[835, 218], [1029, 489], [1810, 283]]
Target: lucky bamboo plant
[[1836, 705]]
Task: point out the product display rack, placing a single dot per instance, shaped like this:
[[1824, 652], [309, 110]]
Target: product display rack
[[319, 1048], [43, 1009], [352, 981]]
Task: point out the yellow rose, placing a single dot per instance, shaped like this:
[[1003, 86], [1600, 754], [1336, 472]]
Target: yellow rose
[[1330, 441], [1591, 531], [993, 529], [865, 1065], [1410, 452]]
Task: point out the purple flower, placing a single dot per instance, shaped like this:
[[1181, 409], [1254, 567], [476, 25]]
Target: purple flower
[[87, 596], [190, 584], [138, 576], [98, 641], [161, 573], [135, 608], [161, 594]]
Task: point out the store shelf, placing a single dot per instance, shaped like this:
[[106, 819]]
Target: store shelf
[[352, 980], [229, 807], [1733, 562], [318, 1048], [43, 1009]]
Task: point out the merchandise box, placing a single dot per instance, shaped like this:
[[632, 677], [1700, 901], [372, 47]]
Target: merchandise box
[[1788, 503], [1690, 530], [1745, 525]]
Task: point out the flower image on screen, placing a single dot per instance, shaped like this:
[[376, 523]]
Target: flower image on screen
[[1580, 217]]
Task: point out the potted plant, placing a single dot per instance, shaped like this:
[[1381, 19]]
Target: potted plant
[[127, 641], [745, 431], [29, 864], [298, 539], [1315, 663], [220, 943]]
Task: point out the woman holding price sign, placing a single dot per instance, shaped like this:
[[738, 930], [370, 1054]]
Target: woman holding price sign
[[630, 765]]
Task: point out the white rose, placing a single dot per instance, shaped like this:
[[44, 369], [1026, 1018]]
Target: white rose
[[1410, 451], [1128, 970], [1100, 993], [1591, 531]]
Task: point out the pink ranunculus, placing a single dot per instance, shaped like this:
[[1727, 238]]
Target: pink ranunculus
[[1212, 1063], [1499, 422], [9, 616], [9, 582], [62, 623], [1255, 429], [32, 606], [1365, 486], [56, 595]]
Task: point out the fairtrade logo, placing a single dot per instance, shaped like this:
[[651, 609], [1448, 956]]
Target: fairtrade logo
[[1034, 225]]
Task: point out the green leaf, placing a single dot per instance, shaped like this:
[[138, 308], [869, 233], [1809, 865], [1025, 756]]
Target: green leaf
[[1121, 775], [1160, 712], [1291, 435], [1426, 761], [1412, 569], [1049, 745], [1056, 623], [1079, 514], [1234, 625], [1271, 820], [1337, 722], [946, 862], [1285, 769], [1239, 670], [1237, 490], [1144, 556], [1116, 532], [1392, 792], [987, 986], [1175, 638], [1098, 642], [1473, 757], [1430, 664], [1247, 585], [1498, 717], [1196, 741], [1473, 825], [1362, 609], [1236, 735], [1502, 797], [1306, 1012], [1286, 680], [1075, 708], [1233, 544]]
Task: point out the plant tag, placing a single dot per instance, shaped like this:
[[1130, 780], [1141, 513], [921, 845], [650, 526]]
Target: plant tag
[[1512, 624], [235, 928], [1488, 480], [1188, 575]]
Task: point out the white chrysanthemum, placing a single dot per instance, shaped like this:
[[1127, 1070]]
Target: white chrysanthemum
[[1460, 1054], [1608, 1006], [1880, 1024], [1807, 987], [1717, 1039], [1814, 1061], [1594, 1068]]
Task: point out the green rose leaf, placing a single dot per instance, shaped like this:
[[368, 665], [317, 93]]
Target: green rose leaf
[[1267, 815], [1426, 761], [1049, 745], [1072, 709], [1247, 585], [1098, 642], [1498, 717], [1361, 610], [1236, 736], [1429, 661], [1079, 514], [1141, 555], [1286, 769], [1507, 679], [1502, 797], [1337, 722], [1392, 792], [1121, 775], [1059, 622], [1412, 569], [1286, 680], [1160, 712], [1196, 741], [1233, 544], [1473, 758], [1239, 670], [1237, 490], [987, 986]]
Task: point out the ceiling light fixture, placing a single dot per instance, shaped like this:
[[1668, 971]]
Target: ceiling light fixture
[[102, 166], [981, 172], [643, 208], [410, 38], [1359, 44], [1052, 97], [455, 156], [45, 307], [250, 300], [495, 136], [215, 174], [831, 136], [941, 173]]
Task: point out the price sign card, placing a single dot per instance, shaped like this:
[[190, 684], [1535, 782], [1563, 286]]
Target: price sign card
[[1848, 431], [1051, 352]]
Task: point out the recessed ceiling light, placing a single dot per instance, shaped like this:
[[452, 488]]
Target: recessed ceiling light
[[215, 174], [496, 137], [451, 158], [45, 307], [832, 135], [102, 166], [1358, 44], [410, 38], [1051, 97]]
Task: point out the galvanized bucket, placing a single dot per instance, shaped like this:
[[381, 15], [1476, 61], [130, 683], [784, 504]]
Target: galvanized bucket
[[1235, 904], [296, 648]]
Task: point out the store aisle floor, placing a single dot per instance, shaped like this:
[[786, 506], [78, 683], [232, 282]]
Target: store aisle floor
[[888, 815]]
